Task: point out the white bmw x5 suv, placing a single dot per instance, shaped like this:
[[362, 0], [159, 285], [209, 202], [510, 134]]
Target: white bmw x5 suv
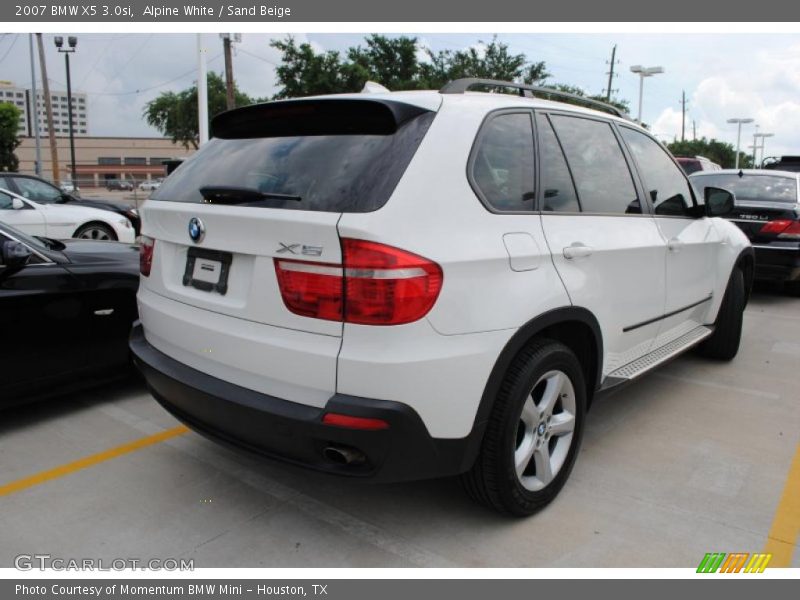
[[418, 284]]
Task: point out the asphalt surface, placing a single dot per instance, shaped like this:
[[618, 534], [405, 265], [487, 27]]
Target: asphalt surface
[[691, 459]]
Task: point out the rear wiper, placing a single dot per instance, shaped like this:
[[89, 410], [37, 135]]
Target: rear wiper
[[224, 194]]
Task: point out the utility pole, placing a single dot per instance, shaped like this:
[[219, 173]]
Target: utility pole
[[49, 111], [227, 43], [694, 130], [35, 110], [683, 117], [611, 73]]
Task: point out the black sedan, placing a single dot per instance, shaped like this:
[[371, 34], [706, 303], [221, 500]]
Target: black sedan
[[66, 309], [44, 192], [768, 212]]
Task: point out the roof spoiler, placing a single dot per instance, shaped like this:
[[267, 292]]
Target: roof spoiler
[[459, 86], [314, 116]]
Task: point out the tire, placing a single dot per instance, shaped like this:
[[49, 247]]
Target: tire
[[96, 231], [545, 370], [723, 344]]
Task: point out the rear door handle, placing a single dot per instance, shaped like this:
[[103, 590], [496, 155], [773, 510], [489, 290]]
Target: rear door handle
[[674, 245], [577, 250]]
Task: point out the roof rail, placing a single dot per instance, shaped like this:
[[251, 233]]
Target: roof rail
[[459, 86]]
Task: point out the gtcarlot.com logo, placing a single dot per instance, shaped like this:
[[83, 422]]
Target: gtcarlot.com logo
[[29, 562], [737, 562]]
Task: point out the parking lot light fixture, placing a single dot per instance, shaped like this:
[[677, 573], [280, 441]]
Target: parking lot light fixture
[[72, 42], [763, 137], [740, 122], [643, 72]]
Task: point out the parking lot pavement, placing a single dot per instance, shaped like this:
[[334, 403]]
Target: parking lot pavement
[[691, 459]]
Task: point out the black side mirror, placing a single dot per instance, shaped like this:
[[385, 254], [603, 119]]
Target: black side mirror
[[14, 255], [719, 202]]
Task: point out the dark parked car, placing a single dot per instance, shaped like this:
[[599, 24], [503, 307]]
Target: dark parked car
[[119, 184], [767, 211], [66, 309], [784, 163], [44, 192]]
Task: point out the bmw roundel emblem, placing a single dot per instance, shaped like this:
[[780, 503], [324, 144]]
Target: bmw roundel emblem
[[196, 230]]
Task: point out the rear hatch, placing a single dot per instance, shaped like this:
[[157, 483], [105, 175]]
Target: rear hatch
[[272, 184], [766, 203]]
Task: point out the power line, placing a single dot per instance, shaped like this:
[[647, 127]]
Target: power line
[[14, 41], [143, 90]]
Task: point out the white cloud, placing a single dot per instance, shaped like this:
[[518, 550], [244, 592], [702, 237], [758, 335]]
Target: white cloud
[[768, 92]]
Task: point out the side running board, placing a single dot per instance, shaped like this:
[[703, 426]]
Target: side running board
[[651, 360]]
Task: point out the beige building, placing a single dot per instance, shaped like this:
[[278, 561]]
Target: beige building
[[22, 98], [98, 159]]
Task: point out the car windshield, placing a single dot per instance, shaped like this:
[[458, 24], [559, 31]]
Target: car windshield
[[769, 188]]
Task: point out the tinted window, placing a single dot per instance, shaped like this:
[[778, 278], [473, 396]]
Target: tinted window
[[690, 165], [558, 190], [38, 191], [502, 164], [769, 188], [664, 182], [595, 158], [334, 173]]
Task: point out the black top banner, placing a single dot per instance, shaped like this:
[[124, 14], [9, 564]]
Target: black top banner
[[441, 11]]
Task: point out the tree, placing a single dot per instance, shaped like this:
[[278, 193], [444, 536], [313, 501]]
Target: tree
[[394, 63], [175, 113], [9, 140], [716, 151]]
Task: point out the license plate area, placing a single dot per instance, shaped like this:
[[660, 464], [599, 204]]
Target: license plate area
[[207, 270]]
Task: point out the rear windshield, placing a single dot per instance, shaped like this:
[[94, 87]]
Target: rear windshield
[[332, 173], [768, 188]]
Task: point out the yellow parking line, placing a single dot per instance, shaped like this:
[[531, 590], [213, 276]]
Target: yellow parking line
[[89, 461], [785, 529]]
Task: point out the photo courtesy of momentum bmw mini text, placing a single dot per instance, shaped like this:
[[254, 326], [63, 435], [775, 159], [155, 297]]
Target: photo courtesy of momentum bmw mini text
[[347, 299]]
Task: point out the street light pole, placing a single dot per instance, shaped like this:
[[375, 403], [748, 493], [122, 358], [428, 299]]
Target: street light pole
[[763, 137], [643, 72], [72, 42], [739, 135]]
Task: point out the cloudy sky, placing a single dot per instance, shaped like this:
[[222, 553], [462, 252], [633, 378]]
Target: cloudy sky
[[724, 76]]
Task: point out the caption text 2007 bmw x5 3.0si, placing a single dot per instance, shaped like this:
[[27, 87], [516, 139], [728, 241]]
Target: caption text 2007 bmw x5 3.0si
[[417, 284]]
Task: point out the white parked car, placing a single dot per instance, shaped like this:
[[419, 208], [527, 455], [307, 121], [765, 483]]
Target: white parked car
[[417, 284], [68, 187], [60, 221], [149, 186]]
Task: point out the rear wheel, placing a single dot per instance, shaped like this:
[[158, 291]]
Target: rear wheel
[[533, 433], [96, 231], [723, 344]]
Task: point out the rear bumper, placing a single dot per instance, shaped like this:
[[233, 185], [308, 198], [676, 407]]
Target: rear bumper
[[774, 263], [294, 432]]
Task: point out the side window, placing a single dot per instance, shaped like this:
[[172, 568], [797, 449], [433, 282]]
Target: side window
[[665, 183], [36, 190], [604, 182], [502, 162], [558, 189]]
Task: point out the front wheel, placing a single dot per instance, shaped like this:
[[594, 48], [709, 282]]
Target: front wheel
[[723, 344], [534, 431], [96, 231]]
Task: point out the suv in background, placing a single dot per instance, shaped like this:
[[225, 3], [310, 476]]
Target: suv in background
[[43, 192], [403, 285], [696, 163], [784, 163]]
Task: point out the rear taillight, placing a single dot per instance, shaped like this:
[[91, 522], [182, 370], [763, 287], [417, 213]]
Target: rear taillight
[[375, 285], [146, 248], [348, 422], [783, 228]]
